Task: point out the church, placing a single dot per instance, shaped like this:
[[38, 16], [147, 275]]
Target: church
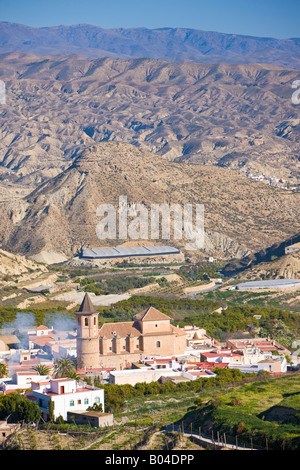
[[118, 345]]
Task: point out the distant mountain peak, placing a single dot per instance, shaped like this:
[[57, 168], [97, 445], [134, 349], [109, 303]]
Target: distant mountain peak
[[171, 44]]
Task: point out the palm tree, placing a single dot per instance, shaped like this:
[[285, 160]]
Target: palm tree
[[64, 367], [42, 369], [74, 375], [3, 370]]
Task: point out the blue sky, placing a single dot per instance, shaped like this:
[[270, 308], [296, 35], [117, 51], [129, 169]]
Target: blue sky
[[266, 18]]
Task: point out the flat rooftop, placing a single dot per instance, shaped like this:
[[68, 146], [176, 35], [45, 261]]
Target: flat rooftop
[[123, 252]]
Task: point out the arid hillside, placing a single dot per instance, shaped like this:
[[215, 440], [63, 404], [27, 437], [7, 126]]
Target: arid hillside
[[236, 116], [271, 261], [241, 216], [14, 265]]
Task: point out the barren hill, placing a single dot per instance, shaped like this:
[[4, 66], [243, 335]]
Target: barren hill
[[237, 116], [240, 215], [270, 261], [287, 267], [12, 264]]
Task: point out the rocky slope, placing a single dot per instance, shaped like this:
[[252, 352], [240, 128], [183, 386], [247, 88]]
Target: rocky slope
[[287, 267], [237, 116], [172, 44], [241, 216], [15, 265], [268, 262]]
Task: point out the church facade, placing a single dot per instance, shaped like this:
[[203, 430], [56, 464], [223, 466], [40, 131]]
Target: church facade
[[118, 345]]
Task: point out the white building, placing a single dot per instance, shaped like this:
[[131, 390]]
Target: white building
[[273, 365], [66, 394], [134, 376]]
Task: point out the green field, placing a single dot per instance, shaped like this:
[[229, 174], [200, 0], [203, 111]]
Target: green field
[[266, 413]]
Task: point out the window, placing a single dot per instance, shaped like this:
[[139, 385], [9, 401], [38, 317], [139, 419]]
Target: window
[[158, 344], [94, 320], [97, 400], [79, 402], [86, 401], [86, 322], [71, 402]]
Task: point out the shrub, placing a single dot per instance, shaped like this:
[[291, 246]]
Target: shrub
[[235, 402], [240, 428]]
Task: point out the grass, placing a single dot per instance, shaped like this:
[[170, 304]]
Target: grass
[[249, 417], [244, 410]]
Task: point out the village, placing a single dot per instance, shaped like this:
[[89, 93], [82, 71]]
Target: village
[[148, 349]]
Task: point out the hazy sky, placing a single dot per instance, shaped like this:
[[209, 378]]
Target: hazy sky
[[267, 18]]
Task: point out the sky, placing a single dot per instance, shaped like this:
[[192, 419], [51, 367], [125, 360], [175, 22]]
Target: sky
[[264, 18]]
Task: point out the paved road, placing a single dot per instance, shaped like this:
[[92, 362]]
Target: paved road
[[193, 295]]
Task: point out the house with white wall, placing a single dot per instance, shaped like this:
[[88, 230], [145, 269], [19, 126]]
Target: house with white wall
[[66, 394], [274, 365]]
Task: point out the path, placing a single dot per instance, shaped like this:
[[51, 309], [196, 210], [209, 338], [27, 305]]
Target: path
[[206, 440]]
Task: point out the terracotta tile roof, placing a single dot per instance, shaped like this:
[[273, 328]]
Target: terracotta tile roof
[[121, 329], [178, 331], [42, 340], [151, 314]]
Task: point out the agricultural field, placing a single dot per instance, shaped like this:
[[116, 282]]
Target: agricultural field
[[265, 414], [254, 412], [286, 299]]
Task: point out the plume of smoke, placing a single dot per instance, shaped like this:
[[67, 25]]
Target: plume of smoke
[[23, 321], [21, 325], [60, 322]]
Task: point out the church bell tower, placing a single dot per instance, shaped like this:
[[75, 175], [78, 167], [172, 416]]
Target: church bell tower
[[87, 335]]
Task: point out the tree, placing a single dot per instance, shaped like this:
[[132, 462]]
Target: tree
[[51, 409], [16, 408], [96, 407], [198, 402], [74, 375], [64, 367], [3, 370], [42, 369]]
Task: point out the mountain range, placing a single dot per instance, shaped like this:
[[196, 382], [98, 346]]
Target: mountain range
[[161, 116], [170, 44], [237, 116]]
